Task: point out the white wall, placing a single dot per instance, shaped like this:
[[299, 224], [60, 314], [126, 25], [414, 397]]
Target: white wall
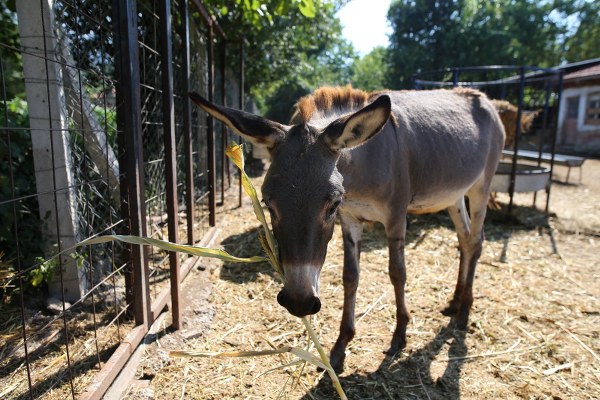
[[582, 128]]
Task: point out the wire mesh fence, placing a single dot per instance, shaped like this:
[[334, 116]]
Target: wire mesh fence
[[98, 137]]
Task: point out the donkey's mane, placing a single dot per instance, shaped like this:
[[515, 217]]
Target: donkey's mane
[[328, 100]]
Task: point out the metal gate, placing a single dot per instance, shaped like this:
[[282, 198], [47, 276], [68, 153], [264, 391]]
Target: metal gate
[[99, 137]]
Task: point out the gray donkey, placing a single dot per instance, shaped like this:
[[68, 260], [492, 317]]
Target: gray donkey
[[373, 157]]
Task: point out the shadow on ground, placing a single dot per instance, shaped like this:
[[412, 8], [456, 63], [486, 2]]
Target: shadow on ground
[[245, 244], [407, 377], [499, 227]]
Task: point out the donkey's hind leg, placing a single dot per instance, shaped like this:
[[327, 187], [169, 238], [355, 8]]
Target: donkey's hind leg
[[460, 219], [470, 239]]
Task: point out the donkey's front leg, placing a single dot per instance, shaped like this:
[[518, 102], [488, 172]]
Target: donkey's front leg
[[352, 233], [396, 233]]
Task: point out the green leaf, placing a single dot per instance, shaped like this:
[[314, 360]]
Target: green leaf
[[168, 246], [307, 8], [224, 10]]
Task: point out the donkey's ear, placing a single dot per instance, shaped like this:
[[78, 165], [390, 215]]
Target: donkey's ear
[[355, 129], [257, 130]]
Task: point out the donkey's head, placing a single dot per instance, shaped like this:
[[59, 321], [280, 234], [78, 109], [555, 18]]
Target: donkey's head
[[303, 188]]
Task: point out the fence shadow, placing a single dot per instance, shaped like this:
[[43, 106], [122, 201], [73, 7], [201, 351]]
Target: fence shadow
[[499, 226], [407, 377], [245, 244]]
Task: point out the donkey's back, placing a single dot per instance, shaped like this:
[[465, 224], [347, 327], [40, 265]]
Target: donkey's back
[[435, 147]]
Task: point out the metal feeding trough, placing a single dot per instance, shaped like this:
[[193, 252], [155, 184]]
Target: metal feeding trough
[[528, 178]]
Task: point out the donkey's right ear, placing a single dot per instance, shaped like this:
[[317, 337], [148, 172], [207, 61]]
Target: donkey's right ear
[[258, 130]]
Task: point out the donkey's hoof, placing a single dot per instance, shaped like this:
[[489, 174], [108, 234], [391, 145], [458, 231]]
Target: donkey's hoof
[[337, 361], [450, 310], [461, 325], [395, 348], [461, 322]]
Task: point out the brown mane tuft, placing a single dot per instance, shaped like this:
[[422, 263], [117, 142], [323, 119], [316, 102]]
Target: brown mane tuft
[[326, 99], [467, 92]]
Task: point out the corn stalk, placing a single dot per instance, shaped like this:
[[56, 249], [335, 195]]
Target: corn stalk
[[235, 153]]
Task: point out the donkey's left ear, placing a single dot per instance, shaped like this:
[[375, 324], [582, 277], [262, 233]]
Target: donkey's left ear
[[355, 129], [258, 130]]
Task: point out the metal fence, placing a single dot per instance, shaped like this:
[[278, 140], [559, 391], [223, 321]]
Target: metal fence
[[98, 137]]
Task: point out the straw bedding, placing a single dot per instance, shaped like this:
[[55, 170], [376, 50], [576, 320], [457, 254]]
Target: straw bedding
[[534, 328]]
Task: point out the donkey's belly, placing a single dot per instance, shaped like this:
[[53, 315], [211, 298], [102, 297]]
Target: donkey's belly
[[364, 210], [430, 203]]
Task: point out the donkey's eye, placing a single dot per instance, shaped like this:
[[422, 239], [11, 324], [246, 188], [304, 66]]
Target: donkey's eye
[[270, 209], [332, 210]]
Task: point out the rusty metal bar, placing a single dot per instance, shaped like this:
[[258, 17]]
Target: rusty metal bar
[[207, 19], [115, 363], [553, 149], [129, 125], [187, 122], [212, 186], [513, 172], [129, 122], [224, 158], [241, 106], [166, 43]]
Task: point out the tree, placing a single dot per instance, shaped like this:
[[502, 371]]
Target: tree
[[370, 72], [286, 46], [585, 42], [11, 60], [430, 34]]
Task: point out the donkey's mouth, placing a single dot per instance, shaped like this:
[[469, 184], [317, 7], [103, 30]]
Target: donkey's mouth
[[299, 307]]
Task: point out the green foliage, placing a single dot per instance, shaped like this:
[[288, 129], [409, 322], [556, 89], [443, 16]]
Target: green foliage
[[285, 49], [261, 13], [47, 268], [11, 60], [430, 35], [585, 42], [370, 72], [16, 163], [280, 103]]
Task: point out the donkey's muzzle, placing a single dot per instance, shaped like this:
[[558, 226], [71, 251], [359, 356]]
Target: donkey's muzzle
[[299, 307]]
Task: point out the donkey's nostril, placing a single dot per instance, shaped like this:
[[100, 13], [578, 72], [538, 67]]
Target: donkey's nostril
[[316, 306], [282, 298], [299, 308]]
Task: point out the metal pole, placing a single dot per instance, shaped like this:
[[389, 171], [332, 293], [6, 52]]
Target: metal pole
[[129, 121], [513, 171], [454, 77], [212, 186], [170, 153], [241, 106], [190, 206], [223, 127], [553, 150], [548, 89]]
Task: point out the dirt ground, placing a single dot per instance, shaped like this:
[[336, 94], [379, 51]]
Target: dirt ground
[[533, 334]]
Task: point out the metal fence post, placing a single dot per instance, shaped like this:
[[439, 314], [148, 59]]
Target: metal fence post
[[513, 172], [170, 153], [212, 186], [129, 123], [224, 159], [553, 144], [241, 106], [187, 123]]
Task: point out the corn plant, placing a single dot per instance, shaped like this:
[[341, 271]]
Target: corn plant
[[235, 153]]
